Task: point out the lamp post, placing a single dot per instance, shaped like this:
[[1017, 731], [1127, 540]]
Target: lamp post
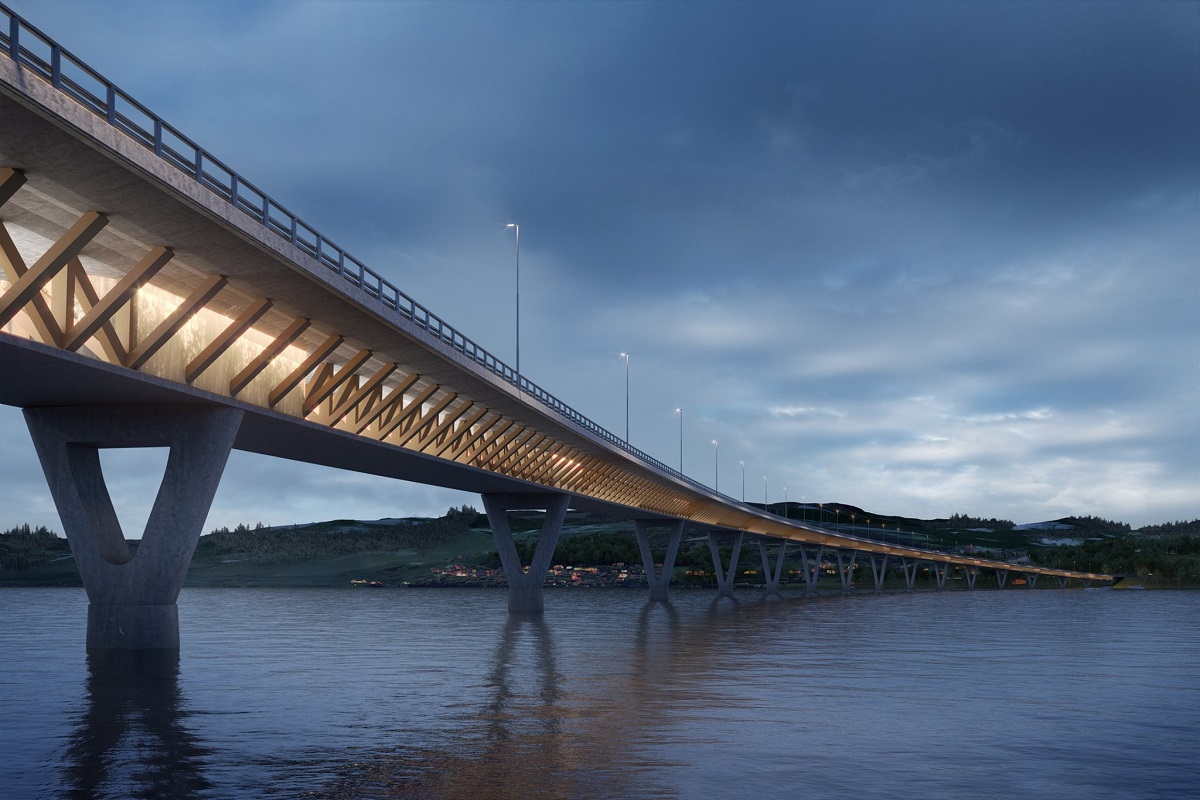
[[679, 411], [716, 466], [626, 357], [517, 228], [743, 463], [764, 492], [786, 515]]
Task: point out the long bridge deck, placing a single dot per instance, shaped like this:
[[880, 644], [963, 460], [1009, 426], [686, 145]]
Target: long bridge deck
[[140, 271]]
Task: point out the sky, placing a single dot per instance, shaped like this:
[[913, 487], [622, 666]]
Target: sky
[[924, 258]]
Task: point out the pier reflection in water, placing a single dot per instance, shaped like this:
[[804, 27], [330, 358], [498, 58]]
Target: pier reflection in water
[[133, 731]]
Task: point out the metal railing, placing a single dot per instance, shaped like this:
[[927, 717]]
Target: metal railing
[[28, 47]]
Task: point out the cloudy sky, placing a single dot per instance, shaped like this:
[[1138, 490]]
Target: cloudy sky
[[923, 258]]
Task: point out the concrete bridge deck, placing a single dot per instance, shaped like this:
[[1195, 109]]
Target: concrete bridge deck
[[141, 272]]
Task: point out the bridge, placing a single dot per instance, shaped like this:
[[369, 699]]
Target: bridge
[[152, 296]]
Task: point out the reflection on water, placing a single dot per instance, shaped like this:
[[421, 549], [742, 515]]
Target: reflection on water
[[442, 695], [133, 730]]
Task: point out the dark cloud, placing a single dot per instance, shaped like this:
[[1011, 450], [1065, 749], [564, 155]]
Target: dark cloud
[[914, 225]]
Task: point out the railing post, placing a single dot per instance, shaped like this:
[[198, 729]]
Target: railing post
[[14, 36]]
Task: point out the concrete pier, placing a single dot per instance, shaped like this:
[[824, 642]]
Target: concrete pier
[[845, 562], [132, 598], [971, 572], [659, 582], [772, 575], [878, 570], [909, 567], [812, 569], [940, 570], [725, 576], [526, 585]]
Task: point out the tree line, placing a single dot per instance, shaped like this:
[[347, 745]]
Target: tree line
[[302, 543]]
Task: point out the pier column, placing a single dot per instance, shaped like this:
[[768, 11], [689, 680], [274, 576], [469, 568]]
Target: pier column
[[940, 569], [1031, 579], [1062, 581], [725, 577], [1001, 577], [812, 570], [132, 598], [971, 572], [909, 567], [878, 570], [772, 575], [846, 568], [660, 583], [526, 584]]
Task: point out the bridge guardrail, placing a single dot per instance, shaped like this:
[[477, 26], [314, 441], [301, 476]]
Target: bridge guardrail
[[29, 47]]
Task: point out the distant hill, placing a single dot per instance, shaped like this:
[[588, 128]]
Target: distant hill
[[415, 550]]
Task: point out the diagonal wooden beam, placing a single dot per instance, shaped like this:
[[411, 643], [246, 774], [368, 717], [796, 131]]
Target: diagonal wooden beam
[[460, 432], [512, 463], [67, 247], [426, 419], [40, 315], [323, 389], [386, 403], [77, 280], [176, 320], [505, 450], [226, 339], [473, 452], [10, 180], [102, 311], [437, 427], [406, 413], [530, 456], [470, 437], [301, 372], [260, 362], [552, 459], [358, 395]]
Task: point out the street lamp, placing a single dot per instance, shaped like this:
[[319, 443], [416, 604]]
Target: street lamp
[[517, 228], [785, 505], [764, 492], [743, 463], [716, 467], [626, 357], [679, 411]]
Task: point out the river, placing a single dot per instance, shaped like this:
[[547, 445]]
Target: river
[[388, 693]]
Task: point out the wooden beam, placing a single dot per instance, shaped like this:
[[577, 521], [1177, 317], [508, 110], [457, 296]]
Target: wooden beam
[[14, 267], [176, 320], [102, 311], [114, 349], [472, 452], [406, 413], [373, 383], [435, 430], [10, 180], [226, 338], [301, 372], [290, 334], [462, 432], [319, 390], [67, 247], [426, 419], [395, 396], [471, 437]]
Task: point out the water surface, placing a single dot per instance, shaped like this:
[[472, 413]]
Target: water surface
[[441, 694]]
